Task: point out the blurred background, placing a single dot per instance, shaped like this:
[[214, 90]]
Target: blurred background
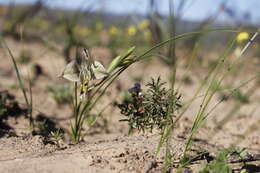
[[122, 24], [197, 10], [111, 22]]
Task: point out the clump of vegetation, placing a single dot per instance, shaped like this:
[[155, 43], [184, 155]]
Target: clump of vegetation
[[243, 98], [25, 57], [147, 110], [61, 94], [187, 80], [48, 128], [56, 136], [2, 108], [222, 162], [219, 164]]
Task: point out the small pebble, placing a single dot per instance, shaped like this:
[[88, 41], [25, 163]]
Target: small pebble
[[131, 168], [149, 165], [112, 167], [187, 171]]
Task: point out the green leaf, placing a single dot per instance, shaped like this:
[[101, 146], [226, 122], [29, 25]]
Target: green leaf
[[119, 59]]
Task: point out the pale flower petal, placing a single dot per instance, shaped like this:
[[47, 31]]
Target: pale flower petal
[[99, 70], [71, 72]]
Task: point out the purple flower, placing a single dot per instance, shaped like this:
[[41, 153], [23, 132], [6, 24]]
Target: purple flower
[[136, 88]]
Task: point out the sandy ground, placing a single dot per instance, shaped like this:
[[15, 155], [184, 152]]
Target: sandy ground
[[108, 148]]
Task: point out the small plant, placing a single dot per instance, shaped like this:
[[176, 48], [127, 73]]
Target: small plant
[[61, 94], [92, 79], [2, 107], [155, 108], [240, 153], [219, 164], [243, 98], [147, 110], [187, 80], [3, 102], [25, 57], [42, 126], [55, 137]]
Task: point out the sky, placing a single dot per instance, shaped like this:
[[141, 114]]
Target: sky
[[193, 10]]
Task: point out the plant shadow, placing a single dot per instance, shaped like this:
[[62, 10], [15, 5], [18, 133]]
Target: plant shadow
[[45, 126], [9, 107], [251, 168]]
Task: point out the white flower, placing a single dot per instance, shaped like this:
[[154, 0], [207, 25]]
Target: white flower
[[84, 69]]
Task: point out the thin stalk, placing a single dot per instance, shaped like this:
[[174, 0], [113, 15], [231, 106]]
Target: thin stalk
[[21, 85], [75, 102], [4, 45], [199, 117], [30, 109], [91, 97], [189, 34], [100, 95], [231, 92], [207, 98]]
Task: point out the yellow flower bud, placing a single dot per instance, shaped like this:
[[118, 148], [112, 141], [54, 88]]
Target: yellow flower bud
[[242, 36], [143, 24], [113, 30], [131, 30]]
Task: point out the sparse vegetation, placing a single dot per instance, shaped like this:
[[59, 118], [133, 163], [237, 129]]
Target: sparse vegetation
[[219, 164], [25, 57], [148, 110], [173, 81], [56, 137], [61, 94]]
